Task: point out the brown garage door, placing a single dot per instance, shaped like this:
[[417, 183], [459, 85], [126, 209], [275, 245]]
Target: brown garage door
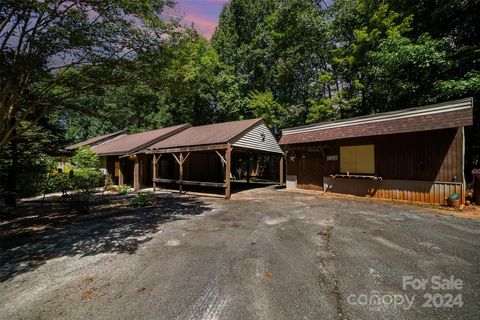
[[310, 170]]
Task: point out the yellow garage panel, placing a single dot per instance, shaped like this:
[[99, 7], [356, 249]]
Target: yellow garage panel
[[347, 159], [365, 159], [357, 159]]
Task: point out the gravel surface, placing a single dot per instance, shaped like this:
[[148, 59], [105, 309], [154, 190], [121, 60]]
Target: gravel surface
[[265, 254]]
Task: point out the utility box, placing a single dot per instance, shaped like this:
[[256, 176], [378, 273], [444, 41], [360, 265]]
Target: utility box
[[476, 186]]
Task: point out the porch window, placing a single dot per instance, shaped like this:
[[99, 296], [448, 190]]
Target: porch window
[[357, 159]]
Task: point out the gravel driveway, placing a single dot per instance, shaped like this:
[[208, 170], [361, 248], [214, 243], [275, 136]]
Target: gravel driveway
[[265, 254]]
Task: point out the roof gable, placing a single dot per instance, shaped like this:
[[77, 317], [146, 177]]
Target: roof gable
[[257, 137], [218, 133]]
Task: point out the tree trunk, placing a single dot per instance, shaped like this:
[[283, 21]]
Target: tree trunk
[[11, 198]]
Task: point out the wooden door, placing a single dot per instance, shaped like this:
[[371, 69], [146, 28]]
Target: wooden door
[[310, 170]]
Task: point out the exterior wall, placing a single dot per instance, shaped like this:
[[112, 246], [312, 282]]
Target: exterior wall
[[259, 138], [417, 191], [199, 166], [423, 162], [202, 166], [110, 167]]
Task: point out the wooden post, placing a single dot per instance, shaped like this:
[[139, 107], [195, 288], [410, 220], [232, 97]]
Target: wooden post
[[228, 160], [154, 164], [180, 163], [156, 158], [281, 170], [136, 174], [120, 173], [248, 168]]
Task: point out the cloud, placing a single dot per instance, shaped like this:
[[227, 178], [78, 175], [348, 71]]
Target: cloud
[[202, 13]]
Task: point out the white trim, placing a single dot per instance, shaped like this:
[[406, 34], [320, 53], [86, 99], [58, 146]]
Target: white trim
[[379, 118]]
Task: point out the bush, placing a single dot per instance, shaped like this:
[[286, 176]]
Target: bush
[[80, 202], [84, 157], [59, 182], [85, 180], [142, 200]]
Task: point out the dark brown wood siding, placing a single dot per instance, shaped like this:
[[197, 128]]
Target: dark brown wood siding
[[421, 156]]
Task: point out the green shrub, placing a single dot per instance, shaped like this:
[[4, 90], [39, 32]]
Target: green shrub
[[84, 157], [85, 180], [141, 200], [80, 202], [59, 182]]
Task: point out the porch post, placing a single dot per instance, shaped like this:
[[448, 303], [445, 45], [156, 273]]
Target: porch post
[[228, 160], [154, 163], [248, 168], [120, 172], [281, 170], [180, 163], [136, 174]]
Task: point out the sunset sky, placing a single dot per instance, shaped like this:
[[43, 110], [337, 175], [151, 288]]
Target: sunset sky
[[203, 13]]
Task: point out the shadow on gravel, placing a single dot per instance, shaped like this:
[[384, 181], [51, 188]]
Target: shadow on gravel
[[28, 242]]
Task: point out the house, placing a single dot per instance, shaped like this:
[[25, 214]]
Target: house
[[211, 155], [65, 153], [186, 155], [414, 154], [123, 156]]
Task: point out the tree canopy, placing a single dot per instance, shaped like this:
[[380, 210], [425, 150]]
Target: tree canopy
[[83, 68]]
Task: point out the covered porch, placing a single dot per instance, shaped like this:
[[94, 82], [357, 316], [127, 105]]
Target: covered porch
[[218, 167]]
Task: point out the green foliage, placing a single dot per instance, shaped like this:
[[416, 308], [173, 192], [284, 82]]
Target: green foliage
[[141, 200], [263, 105], [86, 180], [82, 180], [290, 61], [84, 157], [51, 51], [58, 182], [80, 202], [324, 110], [36, 156]]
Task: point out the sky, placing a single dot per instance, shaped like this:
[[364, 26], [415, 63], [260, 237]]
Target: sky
[[203, 13]]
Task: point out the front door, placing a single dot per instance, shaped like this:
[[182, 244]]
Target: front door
[[310, 170]]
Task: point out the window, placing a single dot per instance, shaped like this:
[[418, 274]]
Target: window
[[357, 159]]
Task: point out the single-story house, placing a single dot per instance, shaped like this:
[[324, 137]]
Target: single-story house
[[414, 154], [211, 155], [123, 155], [95, 140], [66, 153]]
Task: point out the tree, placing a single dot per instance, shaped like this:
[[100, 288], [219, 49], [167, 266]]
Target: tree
[[42, 44], [85, 158], [261, 42], [263, 105]]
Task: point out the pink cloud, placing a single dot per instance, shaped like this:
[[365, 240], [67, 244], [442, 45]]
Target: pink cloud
[[203, 14], [204, 25]]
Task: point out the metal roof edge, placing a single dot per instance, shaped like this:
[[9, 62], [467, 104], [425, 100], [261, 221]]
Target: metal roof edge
[[384, 116], [145, 145]]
